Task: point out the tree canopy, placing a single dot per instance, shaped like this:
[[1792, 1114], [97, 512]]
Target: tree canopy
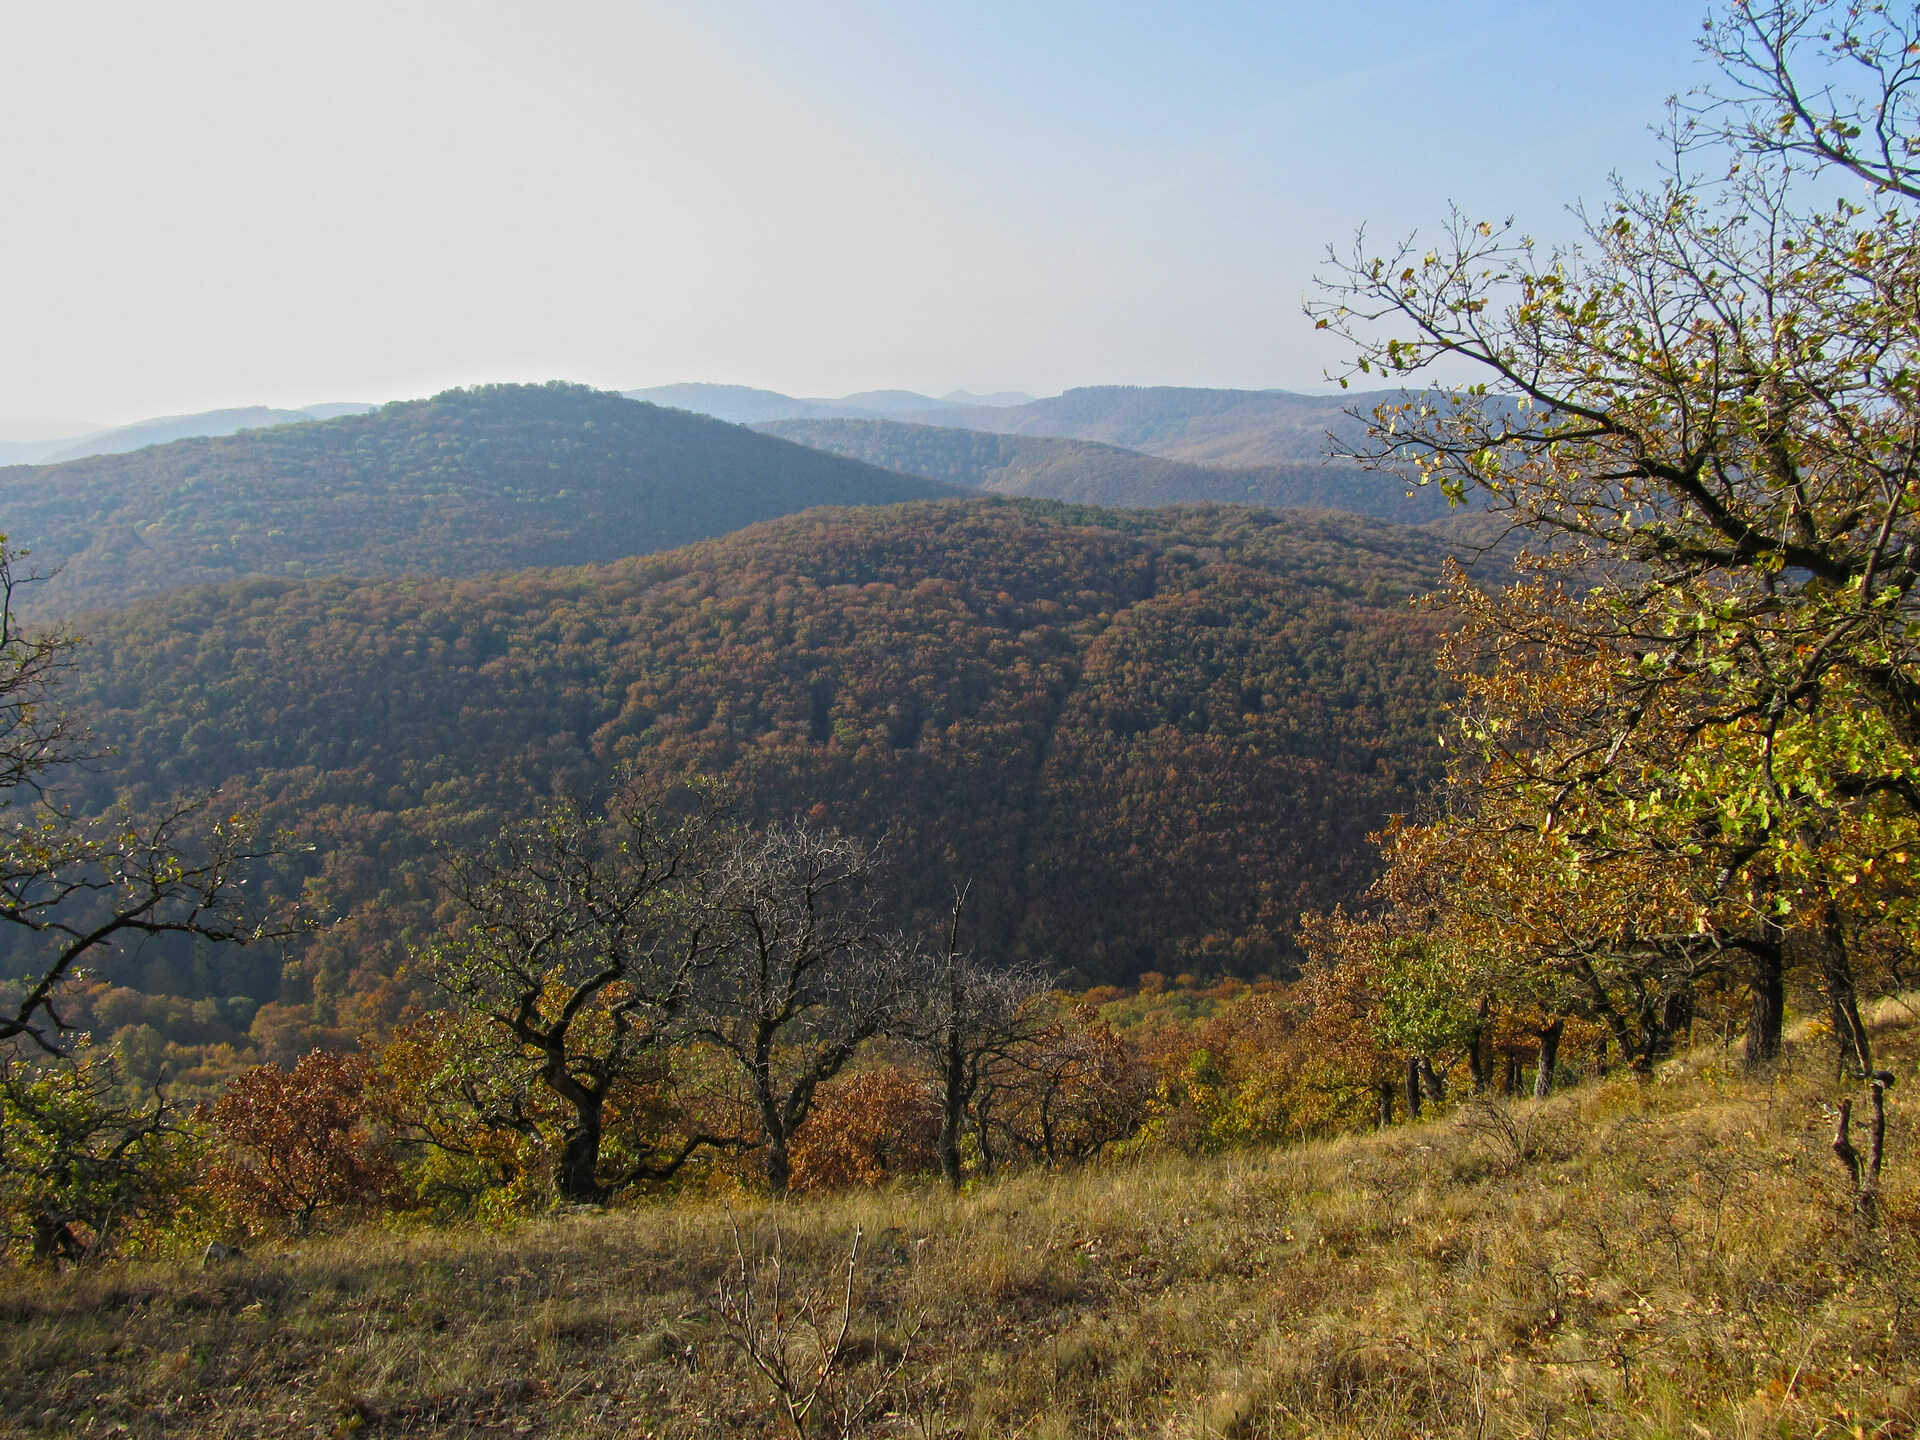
[[1691, 729]]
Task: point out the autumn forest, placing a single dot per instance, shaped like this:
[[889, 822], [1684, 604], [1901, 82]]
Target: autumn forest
[[868, 922]]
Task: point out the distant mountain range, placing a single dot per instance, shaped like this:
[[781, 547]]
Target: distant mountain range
[[1096, 474], [1217, 427], [120, 439], [744, 405], [503, 477], [1209, 427], [1212, 427], [469, 482]]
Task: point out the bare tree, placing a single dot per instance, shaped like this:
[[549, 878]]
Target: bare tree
[[801, 972], [968, 1022], [582, 942], [1068, 1092]]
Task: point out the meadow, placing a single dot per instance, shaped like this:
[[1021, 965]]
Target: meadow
[[1678, 1257]]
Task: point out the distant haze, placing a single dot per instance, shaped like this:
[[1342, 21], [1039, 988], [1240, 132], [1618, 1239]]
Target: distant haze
[[218, 204], [43, 444]]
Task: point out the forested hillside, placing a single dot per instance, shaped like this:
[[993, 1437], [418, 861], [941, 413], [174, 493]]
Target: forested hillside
[[1096, 474], [468, 482], [1147, 740]]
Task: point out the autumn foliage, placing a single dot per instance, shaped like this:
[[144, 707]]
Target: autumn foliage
[[867, 1128], [295, 1144]]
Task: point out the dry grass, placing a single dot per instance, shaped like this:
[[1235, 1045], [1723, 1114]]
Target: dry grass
[[1676, 1259]]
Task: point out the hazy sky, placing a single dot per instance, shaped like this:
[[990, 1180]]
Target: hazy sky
[[215, 204]]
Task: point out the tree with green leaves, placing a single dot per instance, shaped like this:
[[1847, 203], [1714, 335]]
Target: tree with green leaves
[[1704, 417], [86, 1159], [84, 1156]]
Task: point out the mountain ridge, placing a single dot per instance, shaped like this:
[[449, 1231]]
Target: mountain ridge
[[164, 429], [493, 478], [1244, 428], [1089, 472]]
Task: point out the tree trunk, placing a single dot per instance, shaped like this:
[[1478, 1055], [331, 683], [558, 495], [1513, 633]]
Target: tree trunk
[[983, 1134], [1510, 1083], [1649, 1039], [54, 1240], [779, 1168], [1767, 1003], [1865, 1170], [1412, 1086], [577, 1177], [1432, 1085], [1850, 1037], [1676, 1018], [1479, 1062], [1383, 1093], [953, 1117], [1549, 1057]]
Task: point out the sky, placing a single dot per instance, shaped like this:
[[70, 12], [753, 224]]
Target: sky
[[219, 204]]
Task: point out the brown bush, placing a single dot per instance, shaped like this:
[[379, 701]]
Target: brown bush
[[866, 1129], [295, 1143]]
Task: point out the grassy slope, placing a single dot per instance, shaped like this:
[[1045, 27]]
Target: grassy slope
[[1677, 1259]]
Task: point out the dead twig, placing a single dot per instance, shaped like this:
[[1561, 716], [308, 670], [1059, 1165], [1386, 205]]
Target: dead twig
[[1864, 1171], [796, 1337]]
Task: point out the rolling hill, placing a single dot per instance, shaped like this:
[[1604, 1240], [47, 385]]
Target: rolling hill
[[1147, 739], [168, 428], [117, 440], [1096, 474], [744, 405], [1207, 427], [1212, 427], [489, 479], [736, 404]]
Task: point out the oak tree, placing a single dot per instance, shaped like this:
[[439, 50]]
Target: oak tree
[[72, 893], [294, 1143], [86, 1158], [1704, 418], [579, 939], [800, 971]]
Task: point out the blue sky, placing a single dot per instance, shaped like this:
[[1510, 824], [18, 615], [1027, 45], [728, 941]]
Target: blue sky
[[227, 203]]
